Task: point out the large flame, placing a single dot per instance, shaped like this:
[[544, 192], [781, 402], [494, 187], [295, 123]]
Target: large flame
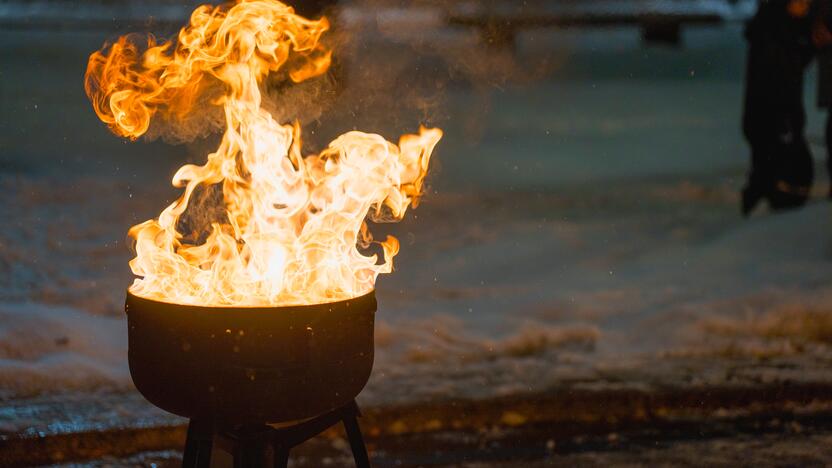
[[292, 225]]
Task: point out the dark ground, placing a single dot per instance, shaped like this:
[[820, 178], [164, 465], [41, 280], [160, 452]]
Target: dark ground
[[782, 424]]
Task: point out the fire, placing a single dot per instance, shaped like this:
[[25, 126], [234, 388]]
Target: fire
[[292, 224]]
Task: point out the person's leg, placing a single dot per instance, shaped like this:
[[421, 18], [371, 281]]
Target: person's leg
[[793, 167], [758, 130], [828, 137], [824, 99], [804, 163]]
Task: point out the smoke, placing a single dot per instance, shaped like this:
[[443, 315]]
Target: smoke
[[394, 64], [205, 120]]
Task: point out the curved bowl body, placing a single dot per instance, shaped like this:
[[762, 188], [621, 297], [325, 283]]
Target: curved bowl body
[[241, 365]]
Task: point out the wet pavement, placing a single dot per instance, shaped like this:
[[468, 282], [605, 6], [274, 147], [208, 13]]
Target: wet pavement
[[615, 425]]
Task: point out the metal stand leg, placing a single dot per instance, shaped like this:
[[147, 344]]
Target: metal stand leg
[[253, 447], [260, 446], [281, 457], [252, 454], [198, 445], [359, 450]]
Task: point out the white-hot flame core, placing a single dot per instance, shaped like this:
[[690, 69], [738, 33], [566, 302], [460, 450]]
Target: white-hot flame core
[[293, 224]]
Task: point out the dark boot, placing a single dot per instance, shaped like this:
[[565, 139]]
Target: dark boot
[[760, 183], [751, 197], [795, 172]]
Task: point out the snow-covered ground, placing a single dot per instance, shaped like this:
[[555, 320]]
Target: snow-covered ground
[[582, 224]]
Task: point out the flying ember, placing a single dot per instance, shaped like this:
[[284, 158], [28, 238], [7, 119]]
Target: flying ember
[[292, 225]]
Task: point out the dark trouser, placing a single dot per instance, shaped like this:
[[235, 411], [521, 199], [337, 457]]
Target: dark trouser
[[825, 100], [774, 122], [828, 137]]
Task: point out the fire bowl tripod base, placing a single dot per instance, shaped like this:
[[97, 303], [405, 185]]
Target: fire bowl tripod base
[[261, 446], [231, 370]]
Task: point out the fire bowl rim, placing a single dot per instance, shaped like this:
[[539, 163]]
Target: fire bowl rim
[[226, 308]]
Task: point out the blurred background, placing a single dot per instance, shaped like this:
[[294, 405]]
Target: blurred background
[[581, 236]]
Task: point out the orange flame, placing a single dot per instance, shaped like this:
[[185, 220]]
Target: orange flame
[[292, 224]]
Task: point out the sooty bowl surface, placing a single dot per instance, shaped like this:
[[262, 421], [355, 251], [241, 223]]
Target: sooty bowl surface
[[234, 365]]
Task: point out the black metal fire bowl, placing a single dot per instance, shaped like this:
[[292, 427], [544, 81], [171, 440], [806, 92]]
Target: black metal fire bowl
[[237, 365]]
